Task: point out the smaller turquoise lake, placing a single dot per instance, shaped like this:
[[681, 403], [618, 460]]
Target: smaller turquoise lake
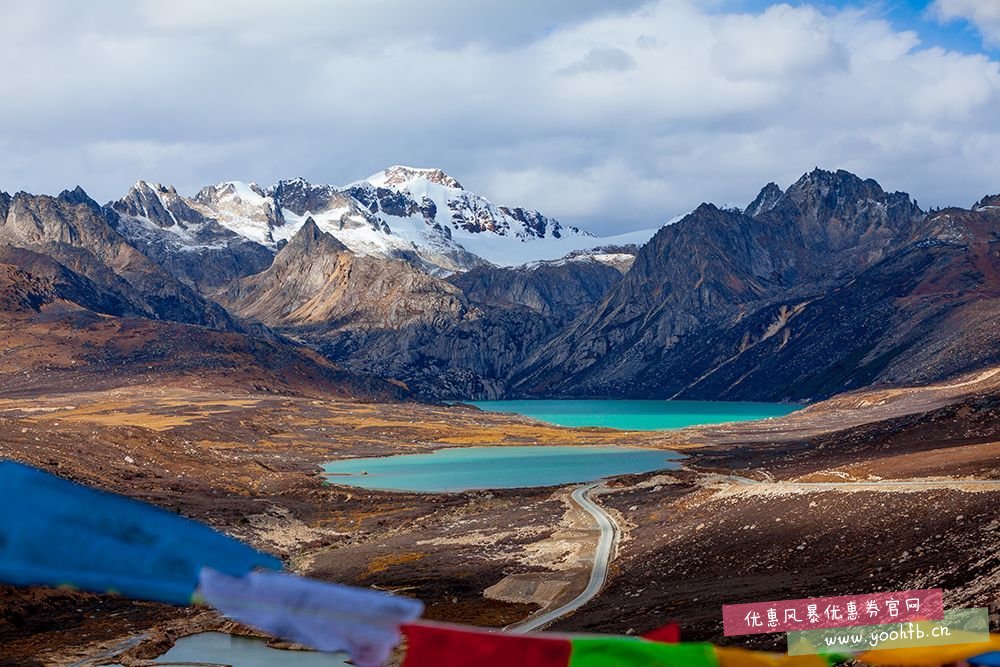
[[637, 415], [467, 468], [217, 649]]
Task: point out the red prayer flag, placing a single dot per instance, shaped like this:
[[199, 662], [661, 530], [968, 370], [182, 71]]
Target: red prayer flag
[[450, 646], [668, 634]]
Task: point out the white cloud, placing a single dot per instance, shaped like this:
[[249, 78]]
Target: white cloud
[[606, 59], [782, 42], [984, 14], [667, 104]]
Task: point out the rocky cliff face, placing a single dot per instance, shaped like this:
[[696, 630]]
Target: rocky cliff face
[[509, 313], [556, 291]]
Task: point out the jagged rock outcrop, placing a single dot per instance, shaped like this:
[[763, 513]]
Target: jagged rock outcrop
[[74, 231], [183, 237], [988, 203]]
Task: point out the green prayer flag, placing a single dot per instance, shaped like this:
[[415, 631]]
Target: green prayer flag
[[635, 652]]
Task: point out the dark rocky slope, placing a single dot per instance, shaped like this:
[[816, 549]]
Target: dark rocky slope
[[831, 285], [510, 312]]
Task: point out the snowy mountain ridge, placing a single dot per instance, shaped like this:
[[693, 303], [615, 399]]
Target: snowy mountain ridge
[[419, 214]]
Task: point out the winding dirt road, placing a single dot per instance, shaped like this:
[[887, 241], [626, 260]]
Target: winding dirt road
[[599, 573]]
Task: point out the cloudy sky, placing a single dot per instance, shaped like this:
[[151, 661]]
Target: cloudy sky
[[611, 115]]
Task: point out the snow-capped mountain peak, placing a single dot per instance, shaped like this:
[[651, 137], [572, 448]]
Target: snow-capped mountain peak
[[399, 176], [159, 204], [247, 192], [463, 214], [243, 208]]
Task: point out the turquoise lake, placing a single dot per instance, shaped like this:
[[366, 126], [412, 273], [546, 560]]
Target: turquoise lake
[[637, 415], [214, 648], [466, 468]]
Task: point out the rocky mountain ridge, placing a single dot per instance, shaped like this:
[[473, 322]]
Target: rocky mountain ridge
[[423, 216], [315, 280], [829, 285]]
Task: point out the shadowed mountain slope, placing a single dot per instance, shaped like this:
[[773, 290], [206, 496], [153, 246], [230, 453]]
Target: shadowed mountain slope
[[829, 286]]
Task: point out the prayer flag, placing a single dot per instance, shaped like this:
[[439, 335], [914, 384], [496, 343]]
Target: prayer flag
[[635, 652], [328, 617], [54, 532], [740, 657], [668, 634], [454, 646]]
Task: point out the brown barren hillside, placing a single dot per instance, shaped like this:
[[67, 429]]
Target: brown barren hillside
[[836, 477]]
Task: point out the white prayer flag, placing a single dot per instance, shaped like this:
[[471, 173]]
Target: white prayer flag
[[328, 617]]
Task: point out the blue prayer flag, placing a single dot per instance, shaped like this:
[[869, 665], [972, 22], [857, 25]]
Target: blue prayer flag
[[54, 532]]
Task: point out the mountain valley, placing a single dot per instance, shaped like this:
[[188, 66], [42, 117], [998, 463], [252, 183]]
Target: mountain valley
[[207, 354]]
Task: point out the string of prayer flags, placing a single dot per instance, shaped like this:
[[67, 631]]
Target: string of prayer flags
[[54, 532], [457, 646], [327, 617]]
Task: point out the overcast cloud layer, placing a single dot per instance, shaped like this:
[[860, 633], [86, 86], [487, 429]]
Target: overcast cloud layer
[[613, 121]]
